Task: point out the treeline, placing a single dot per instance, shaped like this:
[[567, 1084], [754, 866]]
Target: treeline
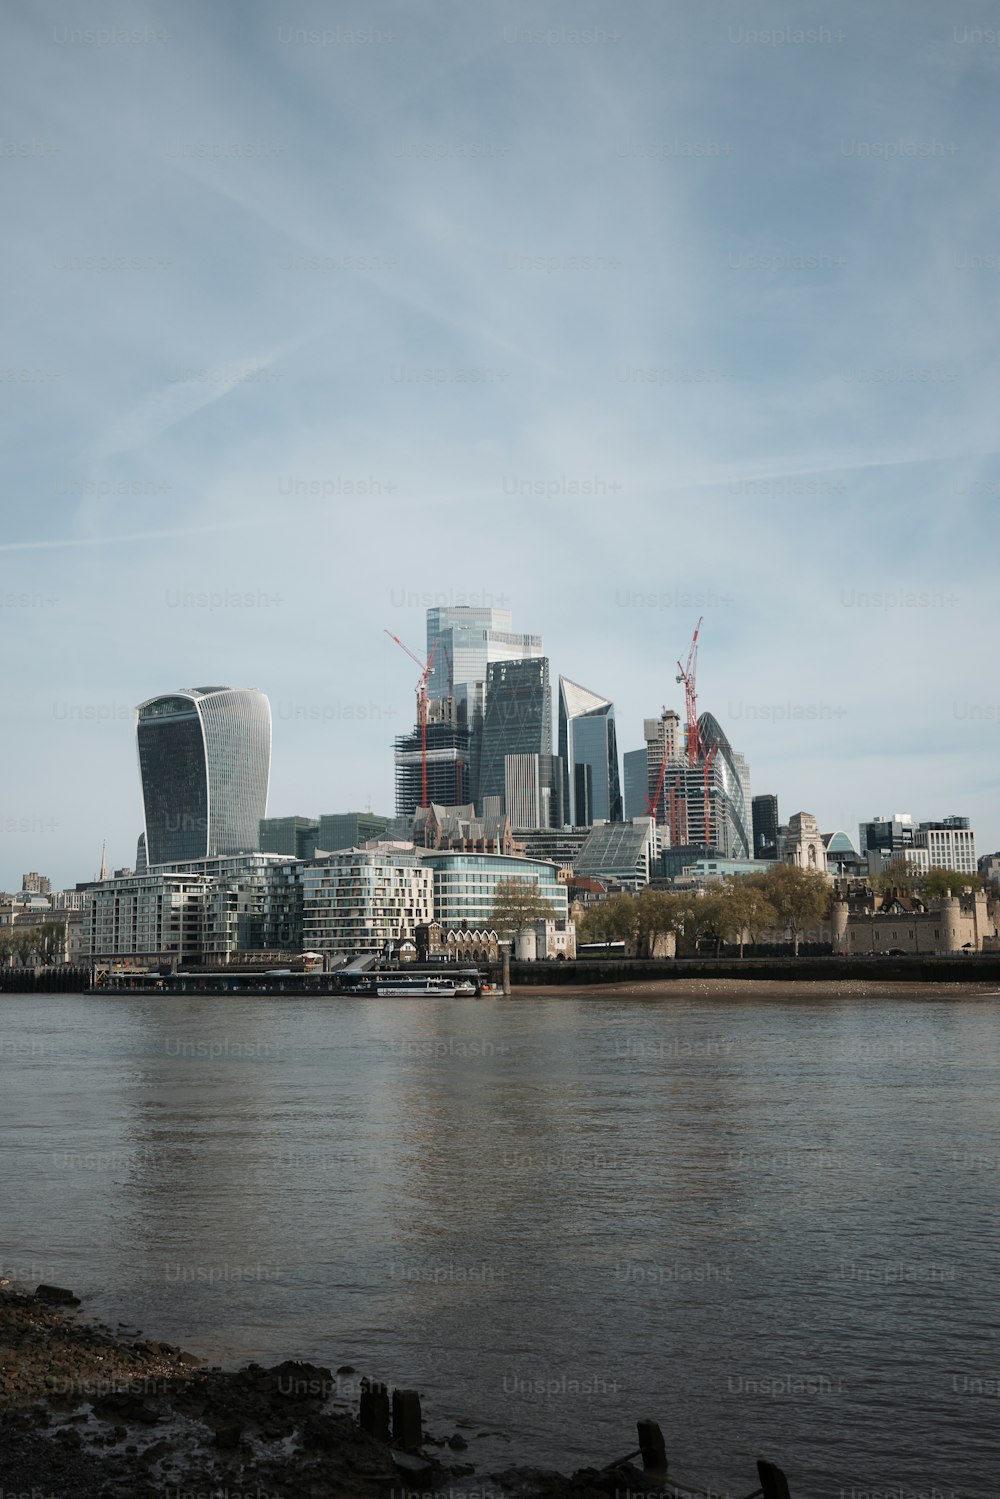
[[740, 910], [26, 946]]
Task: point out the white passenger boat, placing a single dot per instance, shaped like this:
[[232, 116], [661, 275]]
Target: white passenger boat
[[418, 987]]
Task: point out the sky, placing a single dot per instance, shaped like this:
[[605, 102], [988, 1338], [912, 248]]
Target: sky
[[615, 315]]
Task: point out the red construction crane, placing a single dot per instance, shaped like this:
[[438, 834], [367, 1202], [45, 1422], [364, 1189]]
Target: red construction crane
[[425, 671]]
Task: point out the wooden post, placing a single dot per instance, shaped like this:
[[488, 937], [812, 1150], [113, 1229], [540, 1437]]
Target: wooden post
[[373, 1415], [773, 1483], [653, 1449], [505, 970], [407, 1426]]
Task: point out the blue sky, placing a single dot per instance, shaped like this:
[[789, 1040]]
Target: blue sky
[[615, 315]]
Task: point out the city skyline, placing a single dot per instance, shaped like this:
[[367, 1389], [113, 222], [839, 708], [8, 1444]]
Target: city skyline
[[665, 357], [331, 797]]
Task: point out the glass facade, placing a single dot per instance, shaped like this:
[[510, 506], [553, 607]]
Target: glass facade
[[467, 640], [204, 761], [636, 783], [465, 886], [764, 813], [623, 851], [518, 719], [295, 836], [349, 829], [588, 749], [731, 830]]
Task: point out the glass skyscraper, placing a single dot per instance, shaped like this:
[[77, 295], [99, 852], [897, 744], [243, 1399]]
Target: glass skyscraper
[[517, 721], [204, 761], [588, 749], [764, 816], [636, 783], [467, 640]]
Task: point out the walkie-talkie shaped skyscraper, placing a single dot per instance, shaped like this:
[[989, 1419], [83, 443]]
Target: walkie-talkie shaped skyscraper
[[204, 760]]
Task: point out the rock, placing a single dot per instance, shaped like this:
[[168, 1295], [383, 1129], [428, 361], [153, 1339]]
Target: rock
[[154, 1453], [299, 1381], [320, 1432], [408, 1462], [347, 1369], [457, 1443], [56, 1295], [131, 1409], [228, 1437]]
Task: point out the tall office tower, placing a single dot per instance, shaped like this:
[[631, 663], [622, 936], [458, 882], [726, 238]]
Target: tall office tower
[[636, 783], [729, 814], [467, 640], [589, 752], [765, 827], [449, 761], [533, 791], [517, 721], [708, 802], [204, 761], [664, 748], [464, 641]]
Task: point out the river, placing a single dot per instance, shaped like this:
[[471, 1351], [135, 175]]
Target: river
[[770, 1224]]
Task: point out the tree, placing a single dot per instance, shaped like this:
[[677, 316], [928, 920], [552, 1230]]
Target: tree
[[656, 916], [800, 897], [607, 921], [710, 918], [640, 919], [900, 875], [936, 882], [24, 942], [751, 909], [518, 903]]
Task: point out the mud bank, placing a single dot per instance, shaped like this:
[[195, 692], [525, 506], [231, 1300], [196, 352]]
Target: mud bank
[[87, 1413], [756, 989]]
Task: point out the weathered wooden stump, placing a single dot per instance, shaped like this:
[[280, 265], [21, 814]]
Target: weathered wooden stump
[[773, 1483], [653, 1449], [373, 1415], [407, 1425]]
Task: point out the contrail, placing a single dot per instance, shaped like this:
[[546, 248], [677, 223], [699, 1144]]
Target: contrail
[[100, 541]]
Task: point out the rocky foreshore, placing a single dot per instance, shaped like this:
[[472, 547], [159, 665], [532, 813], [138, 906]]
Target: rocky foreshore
[[87, 1413]]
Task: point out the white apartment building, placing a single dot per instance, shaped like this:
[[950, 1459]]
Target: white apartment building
[[359, 899]]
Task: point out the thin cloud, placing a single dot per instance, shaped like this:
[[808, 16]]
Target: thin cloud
[[101, 541]]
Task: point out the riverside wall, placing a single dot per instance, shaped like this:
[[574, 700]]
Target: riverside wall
[[944, 969]]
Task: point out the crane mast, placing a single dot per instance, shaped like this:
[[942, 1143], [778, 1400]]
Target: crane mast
[[425, 671]]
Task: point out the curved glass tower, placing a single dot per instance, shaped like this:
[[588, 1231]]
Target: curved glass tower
[[589, 753], [204, 761], [732, 832]]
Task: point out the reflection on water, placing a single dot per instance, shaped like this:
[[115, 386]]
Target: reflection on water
[[770, 1225]]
